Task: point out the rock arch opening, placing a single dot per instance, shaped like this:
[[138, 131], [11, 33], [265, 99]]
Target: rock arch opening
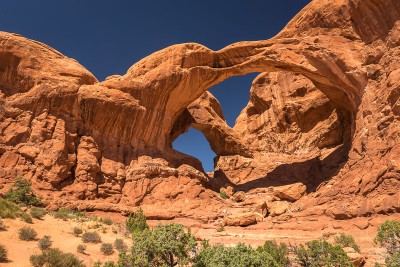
[[195, 144]]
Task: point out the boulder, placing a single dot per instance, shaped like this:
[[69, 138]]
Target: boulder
[[241, 219], [290, 192], [277, 208]]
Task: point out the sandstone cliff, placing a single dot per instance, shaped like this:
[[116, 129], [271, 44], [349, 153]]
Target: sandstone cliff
[[324, 112]]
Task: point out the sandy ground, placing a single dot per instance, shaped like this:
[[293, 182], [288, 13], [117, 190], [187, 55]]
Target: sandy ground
[[290, 233], [61, 234]]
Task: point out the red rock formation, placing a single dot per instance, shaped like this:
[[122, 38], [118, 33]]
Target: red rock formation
[[326, 114]]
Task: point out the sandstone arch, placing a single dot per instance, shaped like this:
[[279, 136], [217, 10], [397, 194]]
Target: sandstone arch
[[78, 139]]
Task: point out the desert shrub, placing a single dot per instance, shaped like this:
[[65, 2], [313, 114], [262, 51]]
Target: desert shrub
[[45, 243], [2, 225], [120, 245], [37, 213], [22, 193], [319, 253], [221, 229], [241, 255], [77, 231], [3, 254], [280, 253], [26, 217], [164, 245], [107, 221], [105, 264], [9, 209], [344, 240], [107, 248], [223, 194], [55, 258], [27, 233], [91, 237], [62, 214], [81, 248], [393, 260], [136, 222], [388, 236], [109, 264]]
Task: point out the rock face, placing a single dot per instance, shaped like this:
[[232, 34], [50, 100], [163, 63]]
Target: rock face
[[324, 112]]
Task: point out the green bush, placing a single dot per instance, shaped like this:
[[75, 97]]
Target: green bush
[[344, 241], [107, 248], [109, 264], [22, 193], [45, 243], [38, 213], [91, 237], [393, 260], [62, 214], [55, 258], [77, 231], [164, 245], [10, 210], [223, 194], [26, 217], [319, 253], [107, 221], [27, 233], [241, 255], [3, 254], [81, 248], [280, 253], [136, 222], [389, 236], [120, 245]]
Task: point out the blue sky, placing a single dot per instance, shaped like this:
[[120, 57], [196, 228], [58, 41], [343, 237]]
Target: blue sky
[[107, 37]]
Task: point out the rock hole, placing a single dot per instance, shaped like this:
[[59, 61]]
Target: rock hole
[[196, 145], [233, 95]]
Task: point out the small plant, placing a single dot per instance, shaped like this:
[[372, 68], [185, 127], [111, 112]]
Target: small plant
[[136, 222], [91, 237], [3, 254], [81, 248], [107, 248], [77, 231], [120, 245], [109, 264], [62, 214], [344, 240], [223, 194], [10, 210], [221, 229], [27, 233], [45, 243], [107, 221], [22, 193], [55, 257], [26, 217], [393, 260], [38, 213]]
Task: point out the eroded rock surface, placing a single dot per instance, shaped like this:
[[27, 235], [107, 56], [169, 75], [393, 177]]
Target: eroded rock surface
[[324, 112]]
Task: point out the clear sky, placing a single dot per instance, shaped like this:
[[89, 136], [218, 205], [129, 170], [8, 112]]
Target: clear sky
[[107, 37]]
